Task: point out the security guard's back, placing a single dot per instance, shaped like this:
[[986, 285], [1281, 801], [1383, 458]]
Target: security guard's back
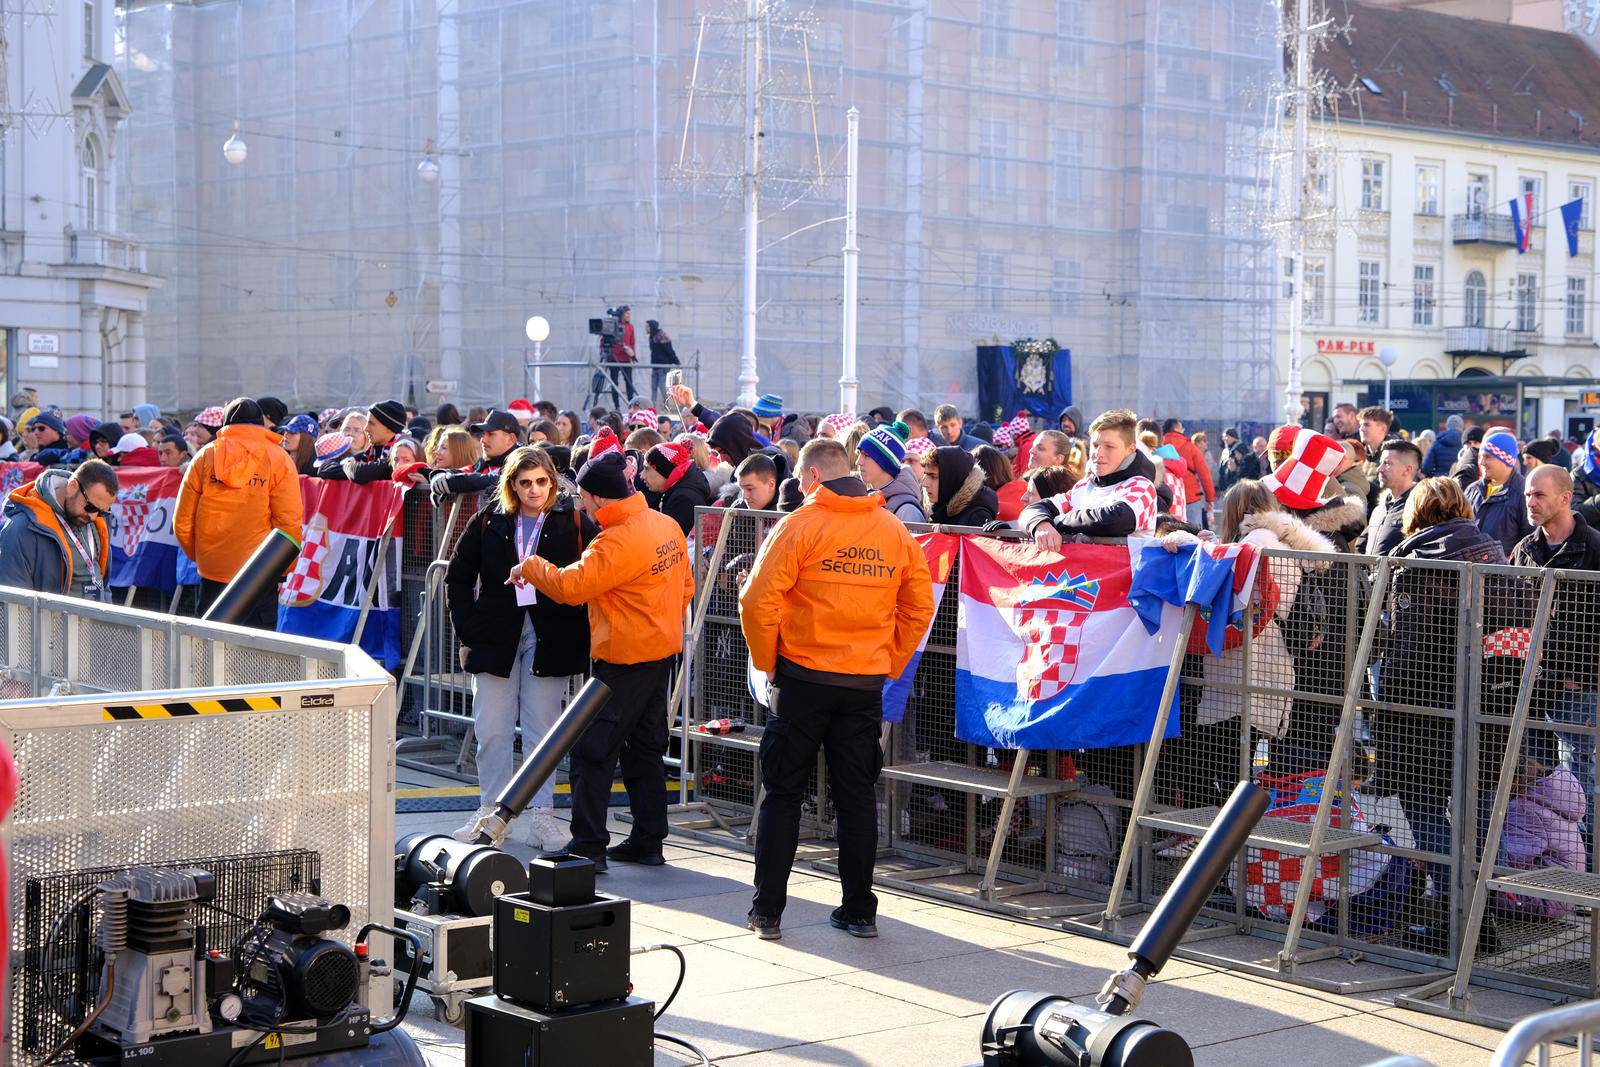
[[838, 599]]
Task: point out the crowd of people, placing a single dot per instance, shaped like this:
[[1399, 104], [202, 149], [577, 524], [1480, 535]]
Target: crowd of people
[[579, 561]]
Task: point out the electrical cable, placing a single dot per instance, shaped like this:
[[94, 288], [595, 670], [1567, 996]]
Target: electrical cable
[[704, 1059], [683, 970]]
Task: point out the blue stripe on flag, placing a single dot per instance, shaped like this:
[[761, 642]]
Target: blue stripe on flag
[[1113, 709], [330, 622]]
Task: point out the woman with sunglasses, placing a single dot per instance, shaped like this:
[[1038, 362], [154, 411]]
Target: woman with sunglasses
[[521, 648]]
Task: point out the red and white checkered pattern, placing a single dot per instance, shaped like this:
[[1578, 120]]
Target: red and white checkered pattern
[[1019, 425], [133, 511], [1513, 641], [645, 417], [1297, 482], [836, 425], [1050, 641], [1002, 437], [920, 446], [303, 583], [1272, 878], [1138, 492]]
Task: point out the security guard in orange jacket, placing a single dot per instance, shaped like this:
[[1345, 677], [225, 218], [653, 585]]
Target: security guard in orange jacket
[[635, 577], [836, 604]]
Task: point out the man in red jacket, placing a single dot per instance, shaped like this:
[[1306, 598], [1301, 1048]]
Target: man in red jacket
[[1199, 476]]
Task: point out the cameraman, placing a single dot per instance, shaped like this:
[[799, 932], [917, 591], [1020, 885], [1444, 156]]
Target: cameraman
[[636, 578], [618, 356]]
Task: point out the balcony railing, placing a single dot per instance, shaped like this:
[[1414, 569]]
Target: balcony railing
[[1483, 228], [103, 250], [10, 251], [1488, 341]]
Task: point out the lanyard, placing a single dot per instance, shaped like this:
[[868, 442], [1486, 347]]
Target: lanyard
[[83, 553], [527, 548]]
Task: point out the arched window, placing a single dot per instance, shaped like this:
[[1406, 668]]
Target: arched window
[[1475, 295], [91, 184]]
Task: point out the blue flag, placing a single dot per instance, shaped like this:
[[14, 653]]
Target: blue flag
[[1571, 216]]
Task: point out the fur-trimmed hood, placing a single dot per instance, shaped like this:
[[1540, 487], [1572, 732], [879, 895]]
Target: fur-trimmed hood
[[968, 491], [1290, 530], [1334, 515]]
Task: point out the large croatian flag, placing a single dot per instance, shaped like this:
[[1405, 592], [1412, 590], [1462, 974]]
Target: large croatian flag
[[1049, 652], [940, 550], [144, 549], [322, 594]]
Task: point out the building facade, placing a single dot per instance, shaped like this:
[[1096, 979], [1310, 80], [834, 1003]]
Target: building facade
[[1070, 169], [74, 288], [1413, 247]]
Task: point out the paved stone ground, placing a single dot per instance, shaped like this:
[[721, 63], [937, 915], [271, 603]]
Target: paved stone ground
[[918, 994]]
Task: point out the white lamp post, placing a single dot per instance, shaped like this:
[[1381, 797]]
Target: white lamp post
[[1387, 356], [537, 328], [428, 169]]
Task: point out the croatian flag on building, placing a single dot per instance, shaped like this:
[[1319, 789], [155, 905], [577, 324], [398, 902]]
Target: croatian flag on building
[[1049, 652], [940, 550], [1522, 221], [322, 594], [144, 550]]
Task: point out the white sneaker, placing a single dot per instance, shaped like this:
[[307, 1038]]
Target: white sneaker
[[469, 832], [543, 831]]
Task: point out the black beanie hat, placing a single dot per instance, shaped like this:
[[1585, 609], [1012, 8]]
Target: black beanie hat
[[606, 476], [241, 411], [391, 413], [273, 409]]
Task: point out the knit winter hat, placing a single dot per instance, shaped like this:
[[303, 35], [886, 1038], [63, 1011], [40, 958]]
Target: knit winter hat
[[79, 427], [670, 459], [606, 476], [44, 418], [391, 413], [644, 417], [1501, 445], [883, 448], [836, 425], [242, 411], [1002, 436], [211, 417], [698, 430], [1019, 425], [603, 442], [522, 409], [1297, 482], [333, 446], [274, 410], [768, 406], [920, 446]]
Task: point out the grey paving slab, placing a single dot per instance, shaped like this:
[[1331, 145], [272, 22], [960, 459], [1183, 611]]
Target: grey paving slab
[[1217, 1007], [711, 970], [942, 1043], [1348, 1041]]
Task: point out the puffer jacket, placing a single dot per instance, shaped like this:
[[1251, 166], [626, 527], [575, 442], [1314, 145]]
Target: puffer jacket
[[1542, 831], [237, 489], [964, 499], [903, 497], [1442, 454], [1341, 520], [635, 577], [1504, 515], [1197, 480], [839, 588], [34, 553]]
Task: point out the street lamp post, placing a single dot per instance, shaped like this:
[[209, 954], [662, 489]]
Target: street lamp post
[[1387, 356], [537, 328]]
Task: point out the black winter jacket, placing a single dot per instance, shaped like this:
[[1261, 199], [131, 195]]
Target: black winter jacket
[[484, 610], [1571, 649], [1503, 516], [689, 492], [485, 474], [963, 498], [1114, 518]]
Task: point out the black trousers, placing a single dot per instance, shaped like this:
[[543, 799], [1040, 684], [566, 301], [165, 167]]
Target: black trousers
[[845, 724], [263, 614], [632, 729]]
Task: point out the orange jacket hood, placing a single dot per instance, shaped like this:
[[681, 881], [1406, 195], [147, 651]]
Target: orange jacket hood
[[636, 578], [239, 453], [28, 496], [839, 586]]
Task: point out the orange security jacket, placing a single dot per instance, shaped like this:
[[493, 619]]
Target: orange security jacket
[[635, 577], [839, 586], [28, 496], [237, 489]]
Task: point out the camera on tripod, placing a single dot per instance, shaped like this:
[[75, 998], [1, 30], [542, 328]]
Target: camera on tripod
[[608, 327]]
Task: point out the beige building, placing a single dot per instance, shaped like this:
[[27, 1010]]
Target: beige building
[[1075, 170], [1418, 253]]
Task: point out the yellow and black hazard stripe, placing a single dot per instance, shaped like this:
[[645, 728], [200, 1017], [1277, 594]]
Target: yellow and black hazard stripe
[[179, 708]]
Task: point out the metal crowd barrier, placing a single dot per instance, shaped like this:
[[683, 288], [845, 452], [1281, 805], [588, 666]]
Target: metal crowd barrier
[[1399, 677], [143, 738]]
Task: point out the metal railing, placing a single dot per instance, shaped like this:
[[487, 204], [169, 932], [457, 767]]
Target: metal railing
[[1488, 341], [144, 738], [1482, 228]]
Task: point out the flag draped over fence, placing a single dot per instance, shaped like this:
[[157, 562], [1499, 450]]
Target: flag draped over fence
[[1050, 653], [1217, 579], [144, 549], [323, 592]]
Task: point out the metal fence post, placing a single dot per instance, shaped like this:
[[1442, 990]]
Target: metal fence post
[[1502, 792], [1147, 773], [1354, 682]]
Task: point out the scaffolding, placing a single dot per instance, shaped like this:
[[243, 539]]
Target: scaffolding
[[1066, 169]]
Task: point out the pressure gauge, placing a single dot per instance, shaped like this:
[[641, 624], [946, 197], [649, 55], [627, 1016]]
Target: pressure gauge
[[229, 1007]]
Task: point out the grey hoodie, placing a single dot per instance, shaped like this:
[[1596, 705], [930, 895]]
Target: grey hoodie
[[903, 497]]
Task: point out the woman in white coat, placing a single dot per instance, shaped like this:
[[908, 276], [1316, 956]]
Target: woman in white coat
[[1249, 514]]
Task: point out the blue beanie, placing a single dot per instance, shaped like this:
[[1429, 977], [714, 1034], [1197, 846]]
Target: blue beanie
[[884, 449], [1502, 445], [769, 406]]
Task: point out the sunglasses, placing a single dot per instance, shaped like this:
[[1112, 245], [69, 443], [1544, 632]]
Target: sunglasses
[[90, 506], [529, 483]]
